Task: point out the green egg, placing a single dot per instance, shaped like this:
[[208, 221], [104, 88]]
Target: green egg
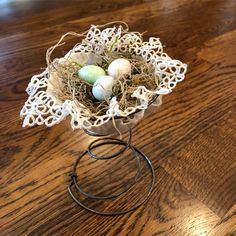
[[91, 73]]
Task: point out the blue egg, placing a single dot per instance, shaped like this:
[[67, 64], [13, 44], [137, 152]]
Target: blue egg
[[91, 73], [102, 88]]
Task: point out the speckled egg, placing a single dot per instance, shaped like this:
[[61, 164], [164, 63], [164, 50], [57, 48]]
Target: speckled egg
[[119, 68], [91, 73], [102, 88]]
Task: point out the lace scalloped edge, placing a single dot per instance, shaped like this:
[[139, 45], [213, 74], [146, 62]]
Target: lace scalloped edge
[[42, 108]]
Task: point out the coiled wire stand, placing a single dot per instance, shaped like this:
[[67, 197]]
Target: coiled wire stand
[[102, 141]]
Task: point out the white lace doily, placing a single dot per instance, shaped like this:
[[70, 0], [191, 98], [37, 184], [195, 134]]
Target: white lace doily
[[42, 108]]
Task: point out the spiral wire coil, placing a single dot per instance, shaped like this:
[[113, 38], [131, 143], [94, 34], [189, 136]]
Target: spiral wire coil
[[101, 141]]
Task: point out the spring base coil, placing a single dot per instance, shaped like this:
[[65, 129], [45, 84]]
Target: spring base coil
[[75, 189]]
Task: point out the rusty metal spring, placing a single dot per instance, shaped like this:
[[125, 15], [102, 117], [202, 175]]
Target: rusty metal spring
[[125, 145]]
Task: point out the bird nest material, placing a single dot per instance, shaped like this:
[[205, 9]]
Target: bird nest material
[[59, 91]]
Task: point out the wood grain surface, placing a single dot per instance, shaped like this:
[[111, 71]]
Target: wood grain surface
[[190, 139]]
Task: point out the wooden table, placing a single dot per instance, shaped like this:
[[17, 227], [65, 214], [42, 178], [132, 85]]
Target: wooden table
[[191, 139]]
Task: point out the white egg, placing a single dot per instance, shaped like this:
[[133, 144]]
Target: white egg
[[119, 67], [102, 88]]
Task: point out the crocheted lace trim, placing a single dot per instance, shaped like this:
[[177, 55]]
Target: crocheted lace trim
[[42, 108]]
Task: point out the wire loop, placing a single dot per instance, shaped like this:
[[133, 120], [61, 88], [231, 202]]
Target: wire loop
[[126, 145]]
